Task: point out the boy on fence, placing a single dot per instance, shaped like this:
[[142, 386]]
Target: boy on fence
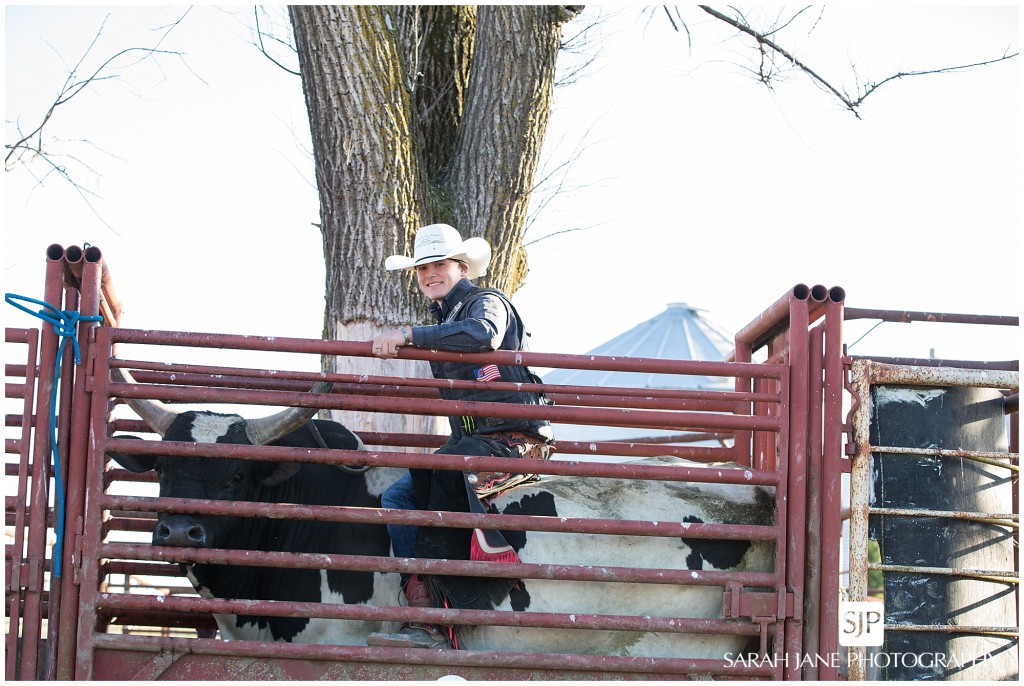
[[467, 319]]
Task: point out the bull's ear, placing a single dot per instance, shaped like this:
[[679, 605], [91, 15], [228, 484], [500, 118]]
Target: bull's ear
[[279, 472], [134, 463]]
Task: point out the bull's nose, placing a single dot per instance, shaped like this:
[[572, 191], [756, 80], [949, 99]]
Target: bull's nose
[[180, 532]]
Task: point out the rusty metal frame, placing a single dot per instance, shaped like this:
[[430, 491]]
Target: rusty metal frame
[[784, 416], [63, 633], [779, 416], [866, 373], [96, 605], [21, 574], [37, 587], [816, 461], [35, 593]]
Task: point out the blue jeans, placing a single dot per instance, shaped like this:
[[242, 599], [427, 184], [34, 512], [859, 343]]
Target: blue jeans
[[399, 496], [440, 490]]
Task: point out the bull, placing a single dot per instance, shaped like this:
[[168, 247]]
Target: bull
[[570, 497]]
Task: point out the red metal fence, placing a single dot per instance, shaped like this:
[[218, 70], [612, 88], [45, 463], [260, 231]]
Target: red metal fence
[[102, 654], [124, 612]]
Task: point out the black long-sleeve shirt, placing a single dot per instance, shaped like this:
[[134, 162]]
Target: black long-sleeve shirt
[[486, 325]]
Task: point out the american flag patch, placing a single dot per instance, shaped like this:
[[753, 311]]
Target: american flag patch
[[487, 373]]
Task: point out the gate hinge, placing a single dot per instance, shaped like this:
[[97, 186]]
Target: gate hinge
[[761, 605], [90, 364], [79, 550]]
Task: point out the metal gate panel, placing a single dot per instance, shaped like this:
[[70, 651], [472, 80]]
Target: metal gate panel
[[816, 462], [780, 415], [38, 585], [865, 375], [94, 602], [23, 571]]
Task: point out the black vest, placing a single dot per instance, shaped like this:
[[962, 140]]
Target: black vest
[[483, 372]]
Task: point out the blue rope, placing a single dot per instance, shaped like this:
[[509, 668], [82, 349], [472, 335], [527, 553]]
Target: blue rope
[[65, 324]]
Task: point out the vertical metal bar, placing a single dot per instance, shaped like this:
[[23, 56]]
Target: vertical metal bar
[[778, 666], [742, 439], [63, 643], [782, 533], [860, 476], [67, 375], [92, 525], [832, 480], [745, 340], [1014, 447], [796, 467], [33, 613], [812, 577], [764, 442]]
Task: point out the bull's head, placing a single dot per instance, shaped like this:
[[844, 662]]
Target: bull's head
[[263, 431], [210, 478]]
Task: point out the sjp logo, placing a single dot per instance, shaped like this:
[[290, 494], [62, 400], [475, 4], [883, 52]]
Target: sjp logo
[[861, 623]]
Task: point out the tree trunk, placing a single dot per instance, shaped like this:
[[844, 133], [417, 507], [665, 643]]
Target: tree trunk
[[507, 112], [419, 115]]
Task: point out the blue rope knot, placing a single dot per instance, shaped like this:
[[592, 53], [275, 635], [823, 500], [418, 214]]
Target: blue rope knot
[[65, 325]]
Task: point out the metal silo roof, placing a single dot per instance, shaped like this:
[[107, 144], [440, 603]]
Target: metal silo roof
[[678, 333]]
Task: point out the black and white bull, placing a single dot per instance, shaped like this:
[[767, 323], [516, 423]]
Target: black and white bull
[[240, 480]]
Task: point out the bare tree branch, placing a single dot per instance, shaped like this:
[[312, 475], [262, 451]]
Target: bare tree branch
[[554, 184], [763, 40], [582, 48], [262, 48], [872, 87], [31, 146], [851, 102]]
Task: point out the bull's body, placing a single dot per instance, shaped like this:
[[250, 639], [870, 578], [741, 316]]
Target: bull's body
[[600, 498], [242, 480]]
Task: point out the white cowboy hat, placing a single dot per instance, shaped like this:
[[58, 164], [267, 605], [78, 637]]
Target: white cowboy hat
[[438, 242]]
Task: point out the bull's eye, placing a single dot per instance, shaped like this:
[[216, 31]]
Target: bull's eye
[[237, 478]]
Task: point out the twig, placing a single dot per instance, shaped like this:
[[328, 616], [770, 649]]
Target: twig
[[851, 103]]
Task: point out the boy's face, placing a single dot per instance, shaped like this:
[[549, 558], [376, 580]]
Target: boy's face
[[437, 279]]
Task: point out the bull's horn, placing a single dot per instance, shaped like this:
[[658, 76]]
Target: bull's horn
[[155, 413], [266, 430]]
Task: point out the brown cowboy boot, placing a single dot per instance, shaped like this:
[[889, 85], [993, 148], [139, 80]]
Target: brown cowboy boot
[[413, 634]]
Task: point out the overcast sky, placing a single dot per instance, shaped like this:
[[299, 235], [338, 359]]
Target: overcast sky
[[696, 184]]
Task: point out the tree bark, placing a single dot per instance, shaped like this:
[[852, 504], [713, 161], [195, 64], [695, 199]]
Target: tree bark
[[507, 112], [420, 114]]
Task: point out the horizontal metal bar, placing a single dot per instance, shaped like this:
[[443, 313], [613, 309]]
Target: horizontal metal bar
[[558, 662], [1010, 632], [995, 458], [881, 374], [1004, 365], [358, 458], [15, 335], [938, 317], [385, 613], [507, 357], [1010, 520], [983, 574], [651, 419], [635, 448], [456, 520], [563, 448], [677, 438], [368, 563], [243, 377]]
